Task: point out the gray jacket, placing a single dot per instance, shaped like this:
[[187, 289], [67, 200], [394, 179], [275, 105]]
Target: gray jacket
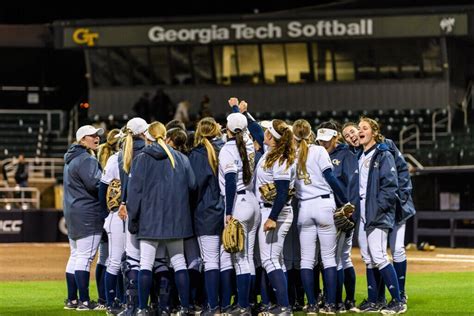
[[81, 187]]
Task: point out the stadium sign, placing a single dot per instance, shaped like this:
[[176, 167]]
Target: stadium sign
[[252, 31]]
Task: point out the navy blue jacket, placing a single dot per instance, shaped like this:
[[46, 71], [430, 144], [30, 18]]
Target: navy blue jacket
[[382, 188], [158, 195], [209, 204], [345, 169], [138, 145], [405, 206], [82, 209]]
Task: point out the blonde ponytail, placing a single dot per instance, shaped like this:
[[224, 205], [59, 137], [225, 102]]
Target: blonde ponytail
[[107, 149], [127, 151], [284, 148], [302, 131], [211, 154], [207, 128], [158, 131]]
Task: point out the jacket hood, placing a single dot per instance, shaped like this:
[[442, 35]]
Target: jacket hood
[[382, 147], [340, 147], [74, 151], [217, 143], [156, 151]]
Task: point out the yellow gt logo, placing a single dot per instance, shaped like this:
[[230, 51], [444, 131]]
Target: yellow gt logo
[[84, 36]]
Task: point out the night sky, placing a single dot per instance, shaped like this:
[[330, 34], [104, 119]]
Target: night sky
[[45, 13]]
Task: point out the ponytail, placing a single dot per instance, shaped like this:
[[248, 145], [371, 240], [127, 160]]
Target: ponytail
[[158, 132], [206, 129], [247, 171], [284, 149], [107, 149], [303, 133], [127, 151], [302, 158]]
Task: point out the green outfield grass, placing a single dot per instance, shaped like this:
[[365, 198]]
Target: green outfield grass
[[429, 294]]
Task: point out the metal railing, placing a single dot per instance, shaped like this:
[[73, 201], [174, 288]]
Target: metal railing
[[411, 159], [466, 100], [19, 198], [38, 168], [441, 123], [415, 136]]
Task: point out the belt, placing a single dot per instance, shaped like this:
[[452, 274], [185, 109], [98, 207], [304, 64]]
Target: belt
[[242, 192], [269, 205], [325, 196]]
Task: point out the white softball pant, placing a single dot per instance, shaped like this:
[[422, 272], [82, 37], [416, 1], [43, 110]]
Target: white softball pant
[[82, 253], [344, 249], [271, 242], [316, 221], [397, 243], [210, 251], [191, 252], [148, 253], [114, 227], [132, 248]]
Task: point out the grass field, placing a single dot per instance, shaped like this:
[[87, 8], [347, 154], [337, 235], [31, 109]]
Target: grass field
[[429, 294]]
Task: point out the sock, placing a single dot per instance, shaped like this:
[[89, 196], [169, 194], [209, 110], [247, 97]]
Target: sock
[[194, 276], [349, 283], [253, 295], [390, 278], [211, 281], [144, 286], [339, 285], [279, 284], [110, 281], [155, 288], [291, 286], [401, 269], [226, 290], [132, 287], [317, 283], [264, 290], [243, 289], [165, 289], [71, 287], [82, 281], [307, 278], [380, 287], [119, 291], [181, 279], [371, 286], [299, 290], [330, 277], [99, 279]]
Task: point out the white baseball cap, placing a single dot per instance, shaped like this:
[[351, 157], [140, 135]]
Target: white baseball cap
[[236, 121], [137, 125], [326, 134], [88, 130]]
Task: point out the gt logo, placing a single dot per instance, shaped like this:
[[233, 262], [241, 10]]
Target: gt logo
[[84, 36], [10, 227]]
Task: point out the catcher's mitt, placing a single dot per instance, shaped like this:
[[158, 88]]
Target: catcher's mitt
[[268, 191], [114, 193], [342, 217], [233, 236]]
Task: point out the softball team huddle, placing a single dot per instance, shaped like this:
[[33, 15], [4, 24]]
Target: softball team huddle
[[161, 252]]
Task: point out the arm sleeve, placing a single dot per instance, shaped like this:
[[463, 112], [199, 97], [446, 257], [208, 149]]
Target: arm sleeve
[[230, 191], [103, 199], [335, 185], [125, 189], [254, 128], [282, 187]]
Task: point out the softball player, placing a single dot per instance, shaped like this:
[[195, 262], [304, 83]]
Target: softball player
[[115, 232], [134, 143], [208, 206], [236, 160], [158, 209], [345, 168], [316, 185], [176, 137], [405, 210], [83, 214], [276, 167], [378, 186]]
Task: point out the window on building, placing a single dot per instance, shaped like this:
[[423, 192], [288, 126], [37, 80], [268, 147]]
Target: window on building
[[99, 67], [181, 73], [274, 63], [237, 64], [431, 54], [297, 63], [120, 66], [201, 59], [160, 65], [141, 69]]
